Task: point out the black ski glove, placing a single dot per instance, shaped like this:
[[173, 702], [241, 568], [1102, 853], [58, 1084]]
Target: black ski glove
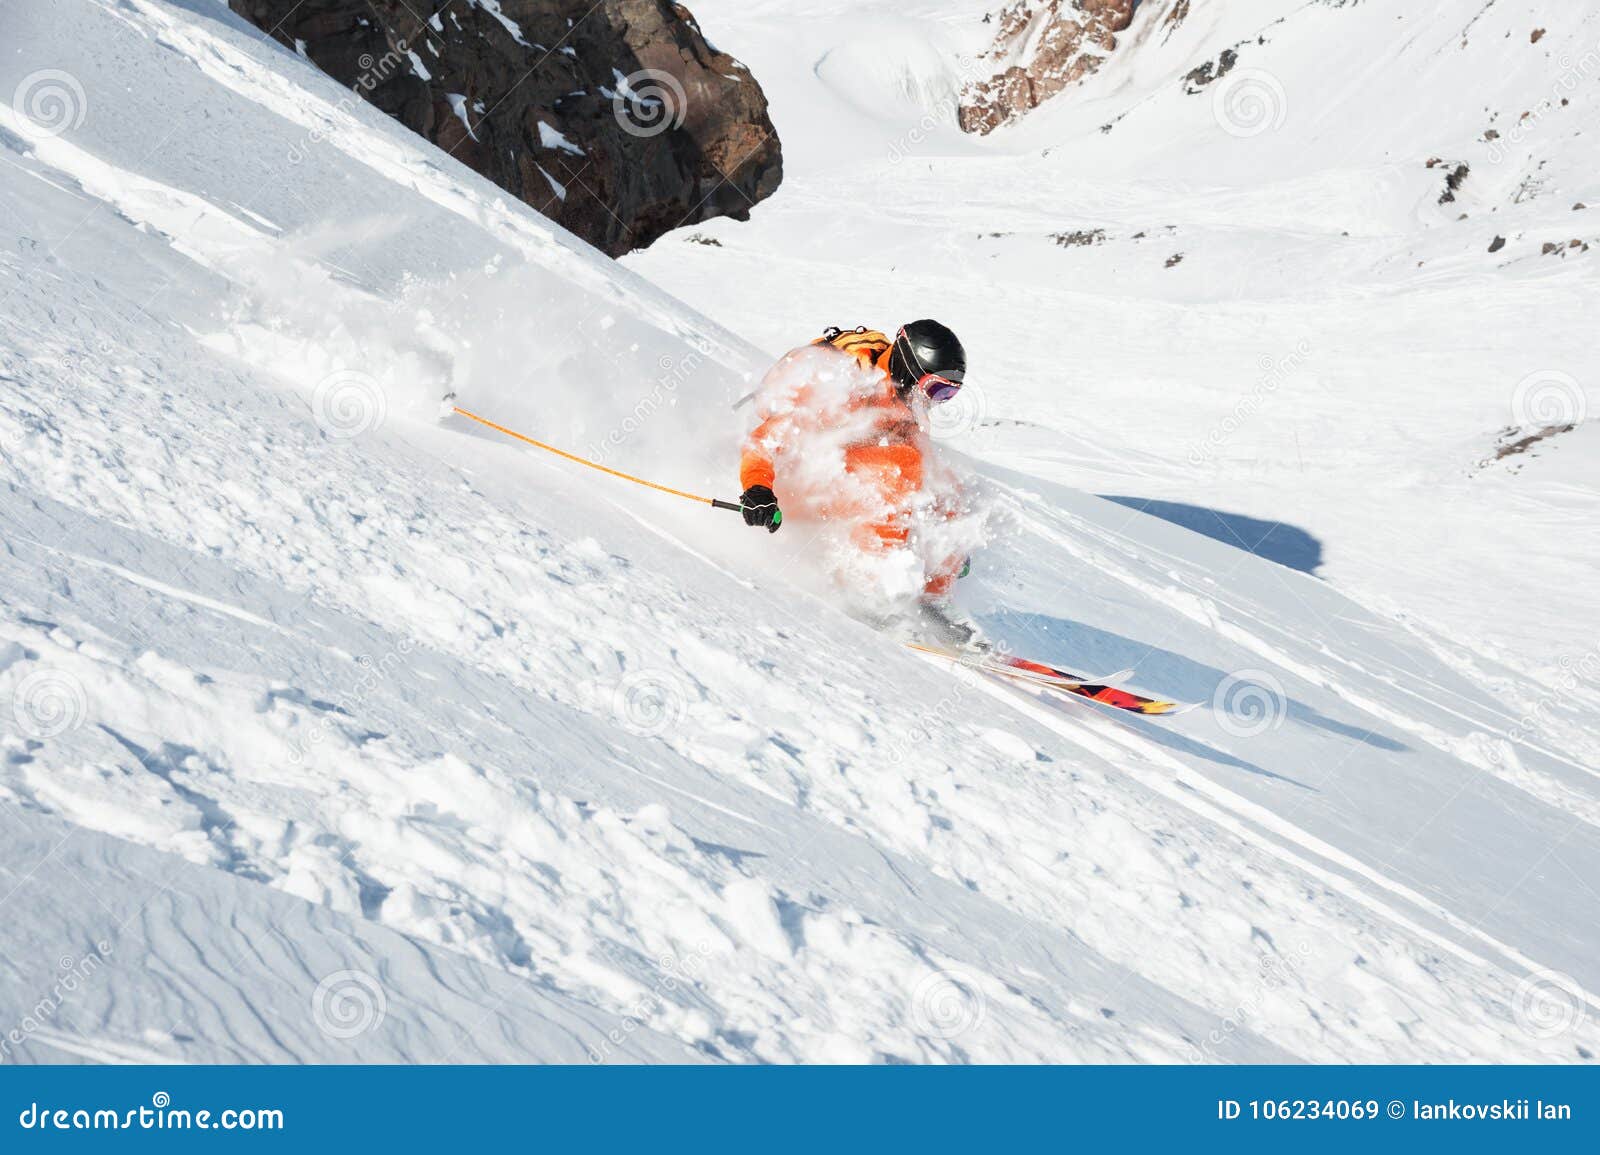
[[760, 507]]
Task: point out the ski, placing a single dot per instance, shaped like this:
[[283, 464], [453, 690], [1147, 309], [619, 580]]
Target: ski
[[1023, 668], [1094, 688]]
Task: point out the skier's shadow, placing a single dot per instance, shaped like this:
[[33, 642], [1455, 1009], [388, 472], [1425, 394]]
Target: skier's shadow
[[1162, 735], [1287, 545], [1090, 650]]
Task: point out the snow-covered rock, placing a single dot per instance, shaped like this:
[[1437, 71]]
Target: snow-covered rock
[[683, 138], [1040, 47]]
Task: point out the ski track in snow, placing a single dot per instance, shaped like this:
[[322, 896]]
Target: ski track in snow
[[287, 698]]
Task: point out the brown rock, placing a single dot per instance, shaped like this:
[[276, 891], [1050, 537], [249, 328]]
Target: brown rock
[[534, 103], [1197, 78], [1079, 237], [1039, 48]]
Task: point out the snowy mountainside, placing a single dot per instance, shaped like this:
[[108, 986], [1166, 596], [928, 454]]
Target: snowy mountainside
[[435, 749], [1352, 269]]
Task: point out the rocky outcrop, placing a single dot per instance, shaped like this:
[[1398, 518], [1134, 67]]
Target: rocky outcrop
[[1208, 71], [1040, 47], [616, 119]]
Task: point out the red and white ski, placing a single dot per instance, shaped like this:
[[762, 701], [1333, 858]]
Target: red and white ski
[[1095, 688]]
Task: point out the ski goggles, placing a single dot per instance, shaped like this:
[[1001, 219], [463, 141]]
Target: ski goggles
[[940, 387]]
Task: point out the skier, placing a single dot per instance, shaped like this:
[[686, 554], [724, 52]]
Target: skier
[[887, 452]]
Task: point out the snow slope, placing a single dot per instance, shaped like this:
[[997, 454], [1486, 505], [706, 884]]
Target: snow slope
[[1244, 305], [332, 732]]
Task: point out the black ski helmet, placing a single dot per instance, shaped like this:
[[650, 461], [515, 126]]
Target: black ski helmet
[[923, 347]]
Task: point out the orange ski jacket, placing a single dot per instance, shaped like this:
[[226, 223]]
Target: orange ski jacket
[[888, 455]]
